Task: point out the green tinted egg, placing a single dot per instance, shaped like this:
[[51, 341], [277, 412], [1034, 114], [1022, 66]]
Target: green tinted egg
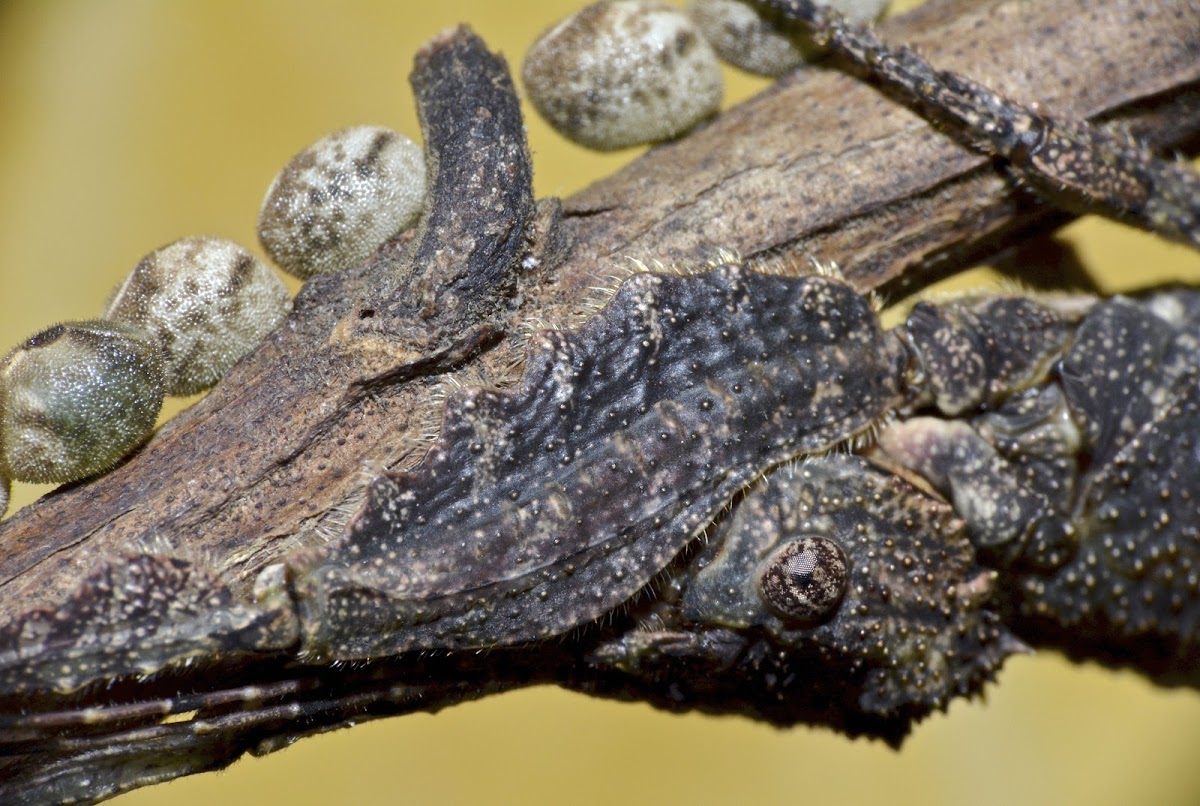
[[77, 398]]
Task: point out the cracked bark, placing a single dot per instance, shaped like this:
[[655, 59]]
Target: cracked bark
[[819, 166]]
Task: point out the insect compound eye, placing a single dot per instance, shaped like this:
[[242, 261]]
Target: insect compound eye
[[803, 581]]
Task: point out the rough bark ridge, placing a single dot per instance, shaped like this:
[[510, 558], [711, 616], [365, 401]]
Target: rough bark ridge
[[819, 166]]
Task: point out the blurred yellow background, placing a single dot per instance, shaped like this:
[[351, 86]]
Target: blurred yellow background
[[125, 124]]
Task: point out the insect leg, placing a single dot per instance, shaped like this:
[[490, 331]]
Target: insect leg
[[1093, 478], [1073, 164]]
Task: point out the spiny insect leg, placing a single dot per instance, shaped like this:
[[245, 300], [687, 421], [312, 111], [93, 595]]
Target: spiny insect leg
[[1073, 164], [1082, 491]]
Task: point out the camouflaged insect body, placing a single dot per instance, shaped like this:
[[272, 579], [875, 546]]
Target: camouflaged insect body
[[520, 527], [831, 591], [659, 511], [692, 386], [1076, 487], [543, 509]]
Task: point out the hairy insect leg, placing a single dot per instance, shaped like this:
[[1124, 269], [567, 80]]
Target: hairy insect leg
[[1073, 164]]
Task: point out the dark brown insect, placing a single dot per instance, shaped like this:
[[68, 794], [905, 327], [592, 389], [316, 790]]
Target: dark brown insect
[[672, 636]]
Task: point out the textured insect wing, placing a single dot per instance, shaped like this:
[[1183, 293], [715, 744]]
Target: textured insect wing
[[540, 510]]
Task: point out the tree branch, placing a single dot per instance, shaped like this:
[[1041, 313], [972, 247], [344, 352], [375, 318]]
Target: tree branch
[[819, 166]]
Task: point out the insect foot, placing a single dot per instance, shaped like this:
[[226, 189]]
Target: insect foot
[[543, 509], [1084, 491], [835, 593]]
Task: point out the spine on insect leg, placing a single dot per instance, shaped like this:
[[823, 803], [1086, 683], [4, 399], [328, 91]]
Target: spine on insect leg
[[1072, 163]]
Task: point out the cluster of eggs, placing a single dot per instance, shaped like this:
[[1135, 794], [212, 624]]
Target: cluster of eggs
[[628, 72], [77, 398]]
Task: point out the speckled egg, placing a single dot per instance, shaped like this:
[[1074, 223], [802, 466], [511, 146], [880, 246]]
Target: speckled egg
[[623, 73], [208, 301], [339, 199], [76, 398], [759, 41]]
